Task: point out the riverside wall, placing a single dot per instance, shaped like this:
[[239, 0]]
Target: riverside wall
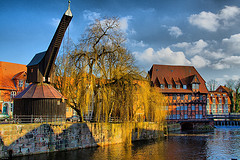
[[27, 139]]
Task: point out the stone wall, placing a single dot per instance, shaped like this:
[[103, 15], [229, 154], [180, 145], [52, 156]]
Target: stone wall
[[26, 139]]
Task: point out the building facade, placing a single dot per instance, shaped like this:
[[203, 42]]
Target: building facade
[[185, 91], [218, 102], [12, 81]]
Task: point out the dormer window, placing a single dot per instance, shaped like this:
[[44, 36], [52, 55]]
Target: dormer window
[[26, 84], [177, 86], [169, 86], [162, 86], [195, 86], [184, 86], [20, 84], [13, 94]]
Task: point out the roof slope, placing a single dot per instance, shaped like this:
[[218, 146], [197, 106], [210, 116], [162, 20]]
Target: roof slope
[[7, 72], [41, 90], [183, 74]]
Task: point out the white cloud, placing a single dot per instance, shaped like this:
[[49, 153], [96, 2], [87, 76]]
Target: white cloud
[[91, 16], [232, 44], [205, 20], [232, 60], [224, 78], [228, 15], [124, 23], [175, 31], [199, 62], [192, 48], [220, 65], [162, 56], [215, 55], [135, 43], [212, 22], [228, 62]]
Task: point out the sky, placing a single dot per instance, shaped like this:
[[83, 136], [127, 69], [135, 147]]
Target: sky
[[200, 33]]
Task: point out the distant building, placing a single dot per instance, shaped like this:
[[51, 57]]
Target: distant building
[[184, 88], [218, 102], [12, 81]]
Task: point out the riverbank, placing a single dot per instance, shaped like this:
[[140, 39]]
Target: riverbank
[[27, 139]]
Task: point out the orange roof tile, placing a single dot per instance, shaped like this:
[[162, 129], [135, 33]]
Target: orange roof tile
[[8, 71], [186, 75]]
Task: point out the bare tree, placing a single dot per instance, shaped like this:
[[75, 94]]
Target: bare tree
[[212, 85]]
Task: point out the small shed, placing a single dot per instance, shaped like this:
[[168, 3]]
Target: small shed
[[40, 100]]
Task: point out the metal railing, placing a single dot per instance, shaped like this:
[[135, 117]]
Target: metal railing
[[18, 119]]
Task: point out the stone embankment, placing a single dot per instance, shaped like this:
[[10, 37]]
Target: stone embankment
[[27, 139]]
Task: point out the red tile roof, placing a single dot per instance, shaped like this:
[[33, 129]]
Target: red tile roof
[[41, 90], [223, 89], [8, 71], [184, 75]]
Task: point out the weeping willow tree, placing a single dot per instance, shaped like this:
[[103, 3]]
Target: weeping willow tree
[[100, 75]]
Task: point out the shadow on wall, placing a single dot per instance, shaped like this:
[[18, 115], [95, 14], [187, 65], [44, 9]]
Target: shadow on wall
[[44, 138], [48, 138]]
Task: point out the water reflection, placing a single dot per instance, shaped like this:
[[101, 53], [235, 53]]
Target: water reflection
[[223, 143]]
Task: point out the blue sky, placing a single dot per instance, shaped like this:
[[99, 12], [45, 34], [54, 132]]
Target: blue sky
[[202, 33]]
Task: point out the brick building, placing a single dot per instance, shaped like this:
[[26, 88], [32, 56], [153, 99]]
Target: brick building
[[184, 88], [218, 101], [12, 81]]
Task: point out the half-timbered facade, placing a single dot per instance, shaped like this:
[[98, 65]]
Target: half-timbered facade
[[184, 88]]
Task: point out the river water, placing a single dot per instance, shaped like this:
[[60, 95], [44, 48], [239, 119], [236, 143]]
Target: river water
[[223, 144]]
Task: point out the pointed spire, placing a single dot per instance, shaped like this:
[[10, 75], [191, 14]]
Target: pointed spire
[[68, 12]]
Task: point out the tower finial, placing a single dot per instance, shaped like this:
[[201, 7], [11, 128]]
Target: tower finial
[[69, 4], [68, 12]]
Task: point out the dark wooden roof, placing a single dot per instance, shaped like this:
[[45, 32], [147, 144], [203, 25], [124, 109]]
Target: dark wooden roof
[[37, 59], [41, 90]]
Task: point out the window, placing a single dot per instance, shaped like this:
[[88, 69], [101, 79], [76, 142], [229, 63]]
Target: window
[[189, 97], [197, 86], [178, 116], [197, 116], [26, 84], [184, 86], [193, 107], [226, 101], [185, 116], [169, 86], [20, 84], [174, 97], [214, 100], [220, 100], [185, 108], [182, 108], [193, 86], [182, 96], [162, 86], [177, 86], [178, 108], [201, 97], [173, 116], [13, 94], [200, 108], [200, 116]]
